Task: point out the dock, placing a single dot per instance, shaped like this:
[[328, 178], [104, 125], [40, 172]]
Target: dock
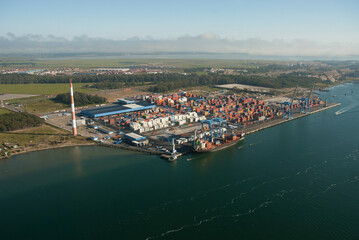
[[170, 158], [249, 130], [271, 123]]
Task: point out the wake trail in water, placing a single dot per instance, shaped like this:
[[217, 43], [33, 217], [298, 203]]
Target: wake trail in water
[[347, 108], [354, 104]]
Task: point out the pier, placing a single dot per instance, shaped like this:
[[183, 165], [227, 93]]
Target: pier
[[271, 123], [248, 130]]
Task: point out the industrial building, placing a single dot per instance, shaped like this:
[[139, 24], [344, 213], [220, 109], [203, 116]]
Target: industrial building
[[136, 139], [122, 106]]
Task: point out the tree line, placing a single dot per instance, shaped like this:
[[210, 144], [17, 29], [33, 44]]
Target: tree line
[[81, 99], [124, 78], [281, 81], [21, 120], [115, 85], [167, 82]]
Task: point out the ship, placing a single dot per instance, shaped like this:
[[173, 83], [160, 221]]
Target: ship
[[203, 145]]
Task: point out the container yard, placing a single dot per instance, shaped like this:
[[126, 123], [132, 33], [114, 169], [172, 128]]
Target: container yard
[[175, 124]]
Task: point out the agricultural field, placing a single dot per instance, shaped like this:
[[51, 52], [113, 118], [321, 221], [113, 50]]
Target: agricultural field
[[43, 89]]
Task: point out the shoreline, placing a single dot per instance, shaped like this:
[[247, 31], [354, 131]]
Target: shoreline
[[252, 129], [48, 148], [276, 122]]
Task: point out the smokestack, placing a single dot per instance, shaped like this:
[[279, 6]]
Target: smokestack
[[74, 130]]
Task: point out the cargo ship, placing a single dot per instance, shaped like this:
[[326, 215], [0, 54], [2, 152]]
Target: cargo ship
[[203, 145]]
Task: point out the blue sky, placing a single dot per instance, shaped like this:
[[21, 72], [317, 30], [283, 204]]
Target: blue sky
[[320, 21], [313, 20]]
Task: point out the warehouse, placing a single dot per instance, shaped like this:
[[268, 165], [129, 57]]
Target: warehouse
[[136, 139], [116, 109]]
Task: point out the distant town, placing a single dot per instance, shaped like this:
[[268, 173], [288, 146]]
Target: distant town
[[325, 71]]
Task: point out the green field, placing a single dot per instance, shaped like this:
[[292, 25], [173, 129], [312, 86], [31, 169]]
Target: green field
[[38, 104], [96, 63], [43, 106], [4, 110], [178, 63], [43, 89], [39, 137]]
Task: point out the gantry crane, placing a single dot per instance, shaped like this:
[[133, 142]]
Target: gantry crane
[[171, 141], [287, 106], [304, 103], [216, 128]]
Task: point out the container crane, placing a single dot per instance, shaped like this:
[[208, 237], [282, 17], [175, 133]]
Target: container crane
[[215, 127], [172, 144], [287, 107], [326, 99], [304, 103]]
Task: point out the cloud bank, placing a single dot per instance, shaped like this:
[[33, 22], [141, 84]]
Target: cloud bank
[[208, 42]]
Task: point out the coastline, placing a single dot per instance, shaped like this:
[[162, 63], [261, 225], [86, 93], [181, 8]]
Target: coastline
[[276, 122], [47, 148], [251, 129]]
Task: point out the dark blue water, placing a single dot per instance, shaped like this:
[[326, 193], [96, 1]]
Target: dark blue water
[[299, 180]]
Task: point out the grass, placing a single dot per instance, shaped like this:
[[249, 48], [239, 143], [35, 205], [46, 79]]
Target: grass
[[38, 104], [43, 106], [4, 110], [34, 135], [43, 89], [39, 137], [180, 63], [96, 63]]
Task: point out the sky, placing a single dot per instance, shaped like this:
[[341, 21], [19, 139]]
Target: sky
[[329, 26]]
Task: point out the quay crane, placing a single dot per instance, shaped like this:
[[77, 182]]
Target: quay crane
[[287, 107], [215, 137], [172, 144], [304, 103], [216, 128], [326, 99]]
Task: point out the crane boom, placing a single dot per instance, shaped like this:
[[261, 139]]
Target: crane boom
[[295, 93], [168, 139], [172, 144], [311, 93]]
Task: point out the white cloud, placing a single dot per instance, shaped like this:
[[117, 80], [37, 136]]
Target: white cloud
[[207, 42]]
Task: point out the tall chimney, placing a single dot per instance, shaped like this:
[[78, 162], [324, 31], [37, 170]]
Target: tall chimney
[[74, 130]]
